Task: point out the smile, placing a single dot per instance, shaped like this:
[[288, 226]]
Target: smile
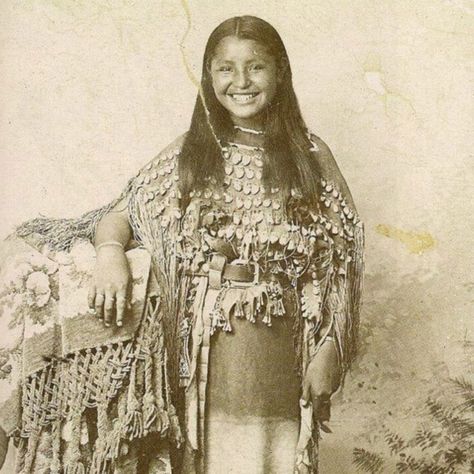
[[243, 98]]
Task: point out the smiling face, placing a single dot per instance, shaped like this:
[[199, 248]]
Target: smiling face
[[244, 79]]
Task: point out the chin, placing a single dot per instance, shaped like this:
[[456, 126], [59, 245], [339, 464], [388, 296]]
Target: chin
[[249, 114]]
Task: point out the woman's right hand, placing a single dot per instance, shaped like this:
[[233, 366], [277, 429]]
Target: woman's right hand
[[109, 292]]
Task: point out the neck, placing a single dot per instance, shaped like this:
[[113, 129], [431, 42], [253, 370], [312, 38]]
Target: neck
[[252, 131], [247, 136]]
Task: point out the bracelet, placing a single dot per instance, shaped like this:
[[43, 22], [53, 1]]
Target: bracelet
[[110, 243]]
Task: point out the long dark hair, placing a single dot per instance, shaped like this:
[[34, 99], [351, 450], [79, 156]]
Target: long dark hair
[[290, 162]]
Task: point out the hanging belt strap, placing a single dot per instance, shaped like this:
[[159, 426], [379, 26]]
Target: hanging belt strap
[[196, 391], [216, 271]]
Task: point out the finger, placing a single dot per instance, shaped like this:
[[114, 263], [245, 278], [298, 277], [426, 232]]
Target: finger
[[99, 304], [128, 294], [109, 308], [91, 299], [120, 307], [305, 395]]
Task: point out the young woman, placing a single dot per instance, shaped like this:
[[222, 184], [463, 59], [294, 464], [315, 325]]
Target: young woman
[[253, 301]]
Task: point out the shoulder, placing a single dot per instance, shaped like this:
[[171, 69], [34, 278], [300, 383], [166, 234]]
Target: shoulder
[[171, 151], [327, 164], [165, 160], [175, 147], [330, 173], [159, 175], [320, 148]]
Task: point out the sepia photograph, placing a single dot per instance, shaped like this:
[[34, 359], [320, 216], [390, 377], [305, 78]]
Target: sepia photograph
[[236, 237]]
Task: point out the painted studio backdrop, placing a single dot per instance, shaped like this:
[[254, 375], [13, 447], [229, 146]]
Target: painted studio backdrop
[[91, 91]]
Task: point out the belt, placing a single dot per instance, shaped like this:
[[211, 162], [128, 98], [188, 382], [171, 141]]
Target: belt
[[241, 271]]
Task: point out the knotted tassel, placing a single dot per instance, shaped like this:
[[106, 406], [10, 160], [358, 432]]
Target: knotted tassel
[[279, 308], [227, 326], [275, 298], [150, 409], [72, 456], [267, 319], [55, 447], [251, 316], [217, 320], [75, 468], [99, 458], [239, 309], [113, 441], [160, 422], [134, 417]]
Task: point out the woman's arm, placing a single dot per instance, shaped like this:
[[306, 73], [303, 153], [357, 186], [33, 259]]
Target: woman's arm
[[321, 379], [114, 226], [325, 371], [111, 280]]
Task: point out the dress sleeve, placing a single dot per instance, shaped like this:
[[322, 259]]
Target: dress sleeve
[[156, 179], [330, 171], [331, 294], [154, 197]]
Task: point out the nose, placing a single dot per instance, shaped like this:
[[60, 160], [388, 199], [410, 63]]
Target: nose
[[241, 79]]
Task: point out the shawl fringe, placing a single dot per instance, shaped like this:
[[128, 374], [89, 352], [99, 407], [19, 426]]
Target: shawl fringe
[[57, 397]]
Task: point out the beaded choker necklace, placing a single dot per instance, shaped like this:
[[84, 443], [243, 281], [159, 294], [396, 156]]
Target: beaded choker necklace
[[249, 130]]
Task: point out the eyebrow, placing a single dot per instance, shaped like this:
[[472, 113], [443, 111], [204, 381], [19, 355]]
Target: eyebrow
[[233, 62]]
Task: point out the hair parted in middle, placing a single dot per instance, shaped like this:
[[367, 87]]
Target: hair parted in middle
[[290, 163]]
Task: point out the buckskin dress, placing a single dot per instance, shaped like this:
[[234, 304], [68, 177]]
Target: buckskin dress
[[244, 286]]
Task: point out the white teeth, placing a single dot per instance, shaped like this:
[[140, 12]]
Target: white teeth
[[242, 98]]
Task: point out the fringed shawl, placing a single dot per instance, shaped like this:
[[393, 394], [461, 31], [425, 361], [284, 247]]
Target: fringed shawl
[[140, 372]]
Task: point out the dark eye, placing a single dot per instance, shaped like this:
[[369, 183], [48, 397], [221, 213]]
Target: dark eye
[[257, 67], [224, 69]]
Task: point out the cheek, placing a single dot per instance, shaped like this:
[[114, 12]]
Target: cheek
[[219, 85], [270, 84], [270, 88]]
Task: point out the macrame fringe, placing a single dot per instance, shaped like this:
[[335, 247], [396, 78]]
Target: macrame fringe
[[60, 393], [161, 237], [75, 468], [60, 234], [346, 303]]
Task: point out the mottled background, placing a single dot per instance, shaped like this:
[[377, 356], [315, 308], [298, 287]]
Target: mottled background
[[91, 90]]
